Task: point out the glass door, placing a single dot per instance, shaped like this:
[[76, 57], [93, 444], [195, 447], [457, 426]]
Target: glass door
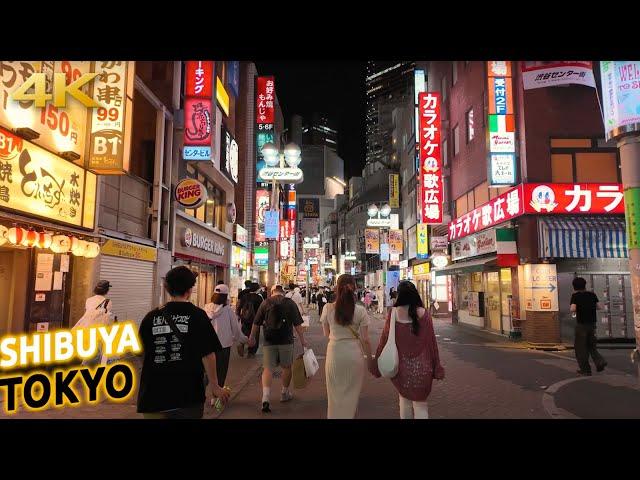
[[492, 301]]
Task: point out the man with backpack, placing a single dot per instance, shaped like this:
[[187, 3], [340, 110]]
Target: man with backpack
[[248, 304], [278, 316]]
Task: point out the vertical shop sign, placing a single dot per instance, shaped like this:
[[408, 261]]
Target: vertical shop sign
[[431, 183], [502, 131]]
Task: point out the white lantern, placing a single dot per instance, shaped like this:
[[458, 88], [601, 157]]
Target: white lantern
[[16, 235], [93, 249], [78, 247], [3, 234], [43, 240], [60, 244]]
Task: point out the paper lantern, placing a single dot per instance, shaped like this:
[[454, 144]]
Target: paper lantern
[[93, 249], [43, 240], [3, 234], [60, 244], [79, 247], [30, 239], [16, 235]]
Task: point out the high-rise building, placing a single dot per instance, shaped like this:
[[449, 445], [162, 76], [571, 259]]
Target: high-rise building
[[319, 130], [389, 86]]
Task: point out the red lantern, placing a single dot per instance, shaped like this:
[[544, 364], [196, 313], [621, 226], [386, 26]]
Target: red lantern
[[43, 240], [30, 239]]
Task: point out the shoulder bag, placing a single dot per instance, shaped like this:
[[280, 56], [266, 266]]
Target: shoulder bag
[[388, 361]]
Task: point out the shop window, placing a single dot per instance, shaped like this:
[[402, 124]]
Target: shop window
[[505, 289], [562, 168], [596, 167], [212, 211], [470, 126], [481, 194], [461, 206], [471, 203], [476, 282], [439, 289], [464, 287], [570, 143]]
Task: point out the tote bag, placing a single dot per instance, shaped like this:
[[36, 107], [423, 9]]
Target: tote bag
[[388, 360]]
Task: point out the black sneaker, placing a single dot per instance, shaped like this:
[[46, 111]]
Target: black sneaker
[[586, 374], [600, 368], [265, 407]]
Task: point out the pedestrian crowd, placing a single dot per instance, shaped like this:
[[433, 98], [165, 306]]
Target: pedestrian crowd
[[186, 349]]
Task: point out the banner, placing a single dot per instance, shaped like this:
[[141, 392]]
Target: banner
[[309, 207], [265, 96], [422, 233], [439, 243], [384, 252], [554, 73], [620, 97], [395, 242], [567, 198], [228, 155], [431, 183], [394, 190], [372, 240], [262, 205], [271, 224]]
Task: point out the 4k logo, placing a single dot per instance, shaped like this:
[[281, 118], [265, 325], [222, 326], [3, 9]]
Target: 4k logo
[[40, 97]]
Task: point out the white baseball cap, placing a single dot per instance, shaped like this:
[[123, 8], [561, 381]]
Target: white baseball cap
[[222, 288]]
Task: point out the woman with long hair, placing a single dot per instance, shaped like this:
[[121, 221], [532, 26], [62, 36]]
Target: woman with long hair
[[419, 360], [346, 325]]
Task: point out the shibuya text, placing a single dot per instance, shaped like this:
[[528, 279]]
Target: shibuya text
[[65, 386]]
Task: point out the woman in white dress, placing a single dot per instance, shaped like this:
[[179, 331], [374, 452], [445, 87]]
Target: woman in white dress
[[346, 325]]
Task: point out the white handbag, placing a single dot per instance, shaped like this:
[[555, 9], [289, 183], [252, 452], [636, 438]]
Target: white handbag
[[388, 360]]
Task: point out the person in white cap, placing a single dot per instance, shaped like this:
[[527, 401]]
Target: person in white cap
[[227, 327]]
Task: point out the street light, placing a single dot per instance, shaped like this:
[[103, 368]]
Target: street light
[[385, 211], [270, 154], [292, 155], [373, 210]]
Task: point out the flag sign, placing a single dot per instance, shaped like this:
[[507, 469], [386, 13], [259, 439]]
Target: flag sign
[[502, 130], [506, 247]]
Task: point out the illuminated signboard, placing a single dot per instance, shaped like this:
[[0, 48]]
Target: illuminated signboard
[[229, 155], [620, 97], [265, 98], [39, 183], [199, 79], [501, 132], [198, 110], [262, 205], [431, 182]]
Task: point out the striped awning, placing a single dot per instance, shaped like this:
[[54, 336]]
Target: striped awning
[[582, 237]]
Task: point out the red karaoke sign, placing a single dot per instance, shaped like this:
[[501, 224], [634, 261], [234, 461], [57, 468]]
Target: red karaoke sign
[[573, 198], [541, 198], [265, 97], [199, 81], [431, 183]]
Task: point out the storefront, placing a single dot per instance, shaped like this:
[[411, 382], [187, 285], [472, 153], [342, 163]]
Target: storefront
[[47, 242], [421, 277], [206, 252], [130, 269]]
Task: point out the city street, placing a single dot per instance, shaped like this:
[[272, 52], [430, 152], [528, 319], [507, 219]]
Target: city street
[[487, 377]]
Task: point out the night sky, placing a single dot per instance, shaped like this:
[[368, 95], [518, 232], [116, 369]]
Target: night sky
[[333, 88]]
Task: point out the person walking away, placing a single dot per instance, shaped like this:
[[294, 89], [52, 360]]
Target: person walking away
[[419, 359], [367, 299], [98, 311], [179, 345], [583, 308], [296, 296], [313, 300], [248, 305], [346, 325], [227, 327], [322, 300], [278, 316], [381, 301]]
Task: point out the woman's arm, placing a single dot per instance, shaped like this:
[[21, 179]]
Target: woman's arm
[[325, 324], [238, 336]]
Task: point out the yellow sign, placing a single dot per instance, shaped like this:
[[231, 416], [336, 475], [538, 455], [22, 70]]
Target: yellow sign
[[190, 193], [60, 129], [39, 183], [372, 240], [119, 248], [394, 190], [421, 270], [110, 139], [222, 96], [40, 97], [422, 232]]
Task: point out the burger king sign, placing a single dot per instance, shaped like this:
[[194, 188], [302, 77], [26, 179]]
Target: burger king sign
[[190, 193]]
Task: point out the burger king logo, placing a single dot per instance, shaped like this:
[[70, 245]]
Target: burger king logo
[[190, 193], [188, 237]]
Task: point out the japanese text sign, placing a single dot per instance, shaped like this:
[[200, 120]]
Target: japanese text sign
[[271, 224], [422, 234], [394, 190], [502, 208], [553, 73], [431, 182], [199, 79], [395, 242], [501, 132], [265, 99], [37, 182], [262, 205], [570, 198], [372, 240]]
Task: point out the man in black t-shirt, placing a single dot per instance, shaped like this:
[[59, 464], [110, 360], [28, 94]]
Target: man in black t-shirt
[[179, 344], [277, 316], [583, 308]]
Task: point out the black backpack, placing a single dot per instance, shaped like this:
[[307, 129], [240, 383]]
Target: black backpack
[[277, 317], [247, 311]]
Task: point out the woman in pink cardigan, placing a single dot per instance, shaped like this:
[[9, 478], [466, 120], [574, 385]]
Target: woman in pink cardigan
[[419, 361]]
